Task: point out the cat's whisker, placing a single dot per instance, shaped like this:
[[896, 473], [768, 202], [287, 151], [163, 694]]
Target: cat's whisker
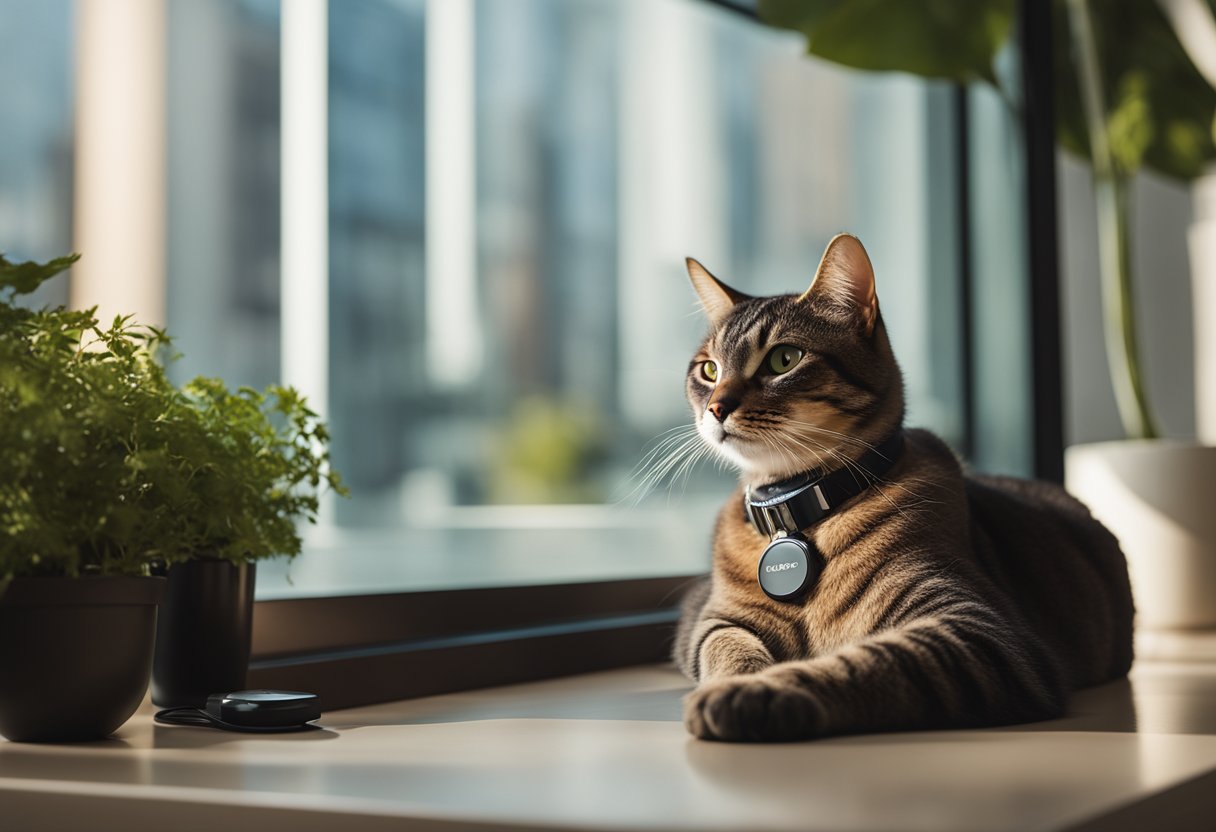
[[669, 452], [851, 465], [688, 459], [651, 461], [843, 436], [673, 458], [664, 446], [870, 479], [819, 445], [817, 451], [687, 468], [768, 443], [880, 483], [869, 476], [681, 429], [691, 445], [793, 458], [785, 452], [672, 434]]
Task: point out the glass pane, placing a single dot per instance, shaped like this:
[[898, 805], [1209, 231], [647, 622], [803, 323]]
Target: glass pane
[[512, 188], [1000, 314], [377, 228], [223, 189], [36, 138], [514, 185]]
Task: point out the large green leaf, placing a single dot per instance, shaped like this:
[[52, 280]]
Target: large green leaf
[[951, 39], [24, 278], [1160, 110], [1159, 107]]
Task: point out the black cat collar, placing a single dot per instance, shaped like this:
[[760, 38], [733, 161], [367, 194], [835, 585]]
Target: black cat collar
[[790, 564]]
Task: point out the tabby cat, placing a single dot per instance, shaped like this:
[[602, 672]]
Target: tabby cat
[[946, 599]]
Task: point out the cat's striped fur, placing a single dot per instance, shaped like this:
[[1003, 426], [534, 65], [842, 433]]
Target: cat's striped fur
[[947, 599]]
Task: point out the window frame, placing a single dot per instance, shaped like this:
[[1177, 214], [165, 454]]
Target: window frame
[[364, 649]]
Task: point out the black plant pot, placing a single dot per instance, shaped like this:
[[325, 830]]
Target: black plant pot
[[202, 635], [75, 654]]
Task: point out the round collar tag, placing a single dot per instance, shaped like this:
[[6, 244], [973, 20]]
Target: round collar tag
[[788, 569]]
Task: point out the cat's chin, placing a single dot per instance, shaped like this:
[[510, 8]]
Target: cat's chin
[[766, 472], [756, 461]]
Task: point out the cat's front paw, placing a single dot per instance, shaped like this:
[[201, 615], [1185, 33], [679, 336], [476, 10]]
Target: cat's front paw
[[755, 708]]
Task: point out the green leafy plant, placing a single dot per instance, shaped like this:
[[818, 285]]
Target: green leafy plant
[[106, 465], [1127, 96], [546, 452]]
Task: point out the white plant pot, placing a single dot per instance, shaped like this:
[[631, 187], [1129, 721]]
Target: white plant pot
[[1159, 499]]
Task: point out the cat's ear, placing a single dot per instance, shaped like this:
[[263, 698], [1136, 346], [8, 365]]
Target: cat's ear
[[845, 281], [717, 299]]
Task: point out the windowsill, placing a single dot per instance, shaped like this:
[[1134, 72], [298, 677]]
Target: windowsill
[[608, 751], [494, 546]]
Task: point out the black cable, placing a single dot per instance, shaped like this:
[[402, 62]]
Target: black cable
[[199, 718]]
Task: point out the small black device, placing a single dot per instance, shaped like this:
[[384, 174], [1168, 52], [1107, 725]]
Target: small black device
[[790, 564], [252, 711]]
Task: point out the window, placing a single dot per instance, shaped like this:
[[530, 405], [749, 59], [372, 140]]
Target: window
[[498, 321], [459, 226], [512, 188]]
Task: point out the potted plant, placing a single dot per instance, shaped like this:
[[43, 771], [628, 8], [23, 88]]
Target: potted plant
[[242, 467], [108, 470], [78, 610], [1127, 96]]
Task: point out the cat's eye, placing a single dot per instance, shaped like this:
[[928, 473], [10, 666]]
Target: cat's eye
[[709, 370], [782, 358]]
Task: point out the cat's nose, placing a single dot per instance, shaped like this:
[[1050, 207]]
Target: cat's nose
[[722, 408]]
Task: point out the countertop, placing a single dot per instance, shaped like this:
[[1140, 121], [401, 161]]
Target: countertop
[[608, 751]]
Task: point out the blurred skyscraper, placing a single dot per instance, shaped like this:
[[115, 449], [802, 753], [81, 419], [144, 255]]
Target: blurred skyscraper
[[223, 188], [377, 188]]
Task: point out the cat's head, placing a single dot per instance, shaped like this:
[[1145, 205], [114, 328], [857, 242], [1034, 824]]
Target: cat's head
[[790, 383]]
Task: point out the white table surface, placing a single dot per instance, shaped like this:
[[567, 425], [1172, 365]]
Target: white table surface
[[608, 751]]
